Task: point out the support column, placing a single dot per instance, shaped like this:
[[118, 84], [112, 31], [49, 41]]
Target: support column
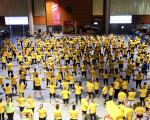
[[107, 15], [30, 15]]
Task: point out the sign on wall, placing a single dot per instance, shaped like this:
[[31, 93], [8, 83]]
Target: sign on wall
[[69, 27]]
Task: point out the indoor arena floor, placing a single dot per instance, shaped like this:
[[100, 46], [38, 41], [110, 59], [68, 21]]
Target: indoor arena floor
[[100, 111]]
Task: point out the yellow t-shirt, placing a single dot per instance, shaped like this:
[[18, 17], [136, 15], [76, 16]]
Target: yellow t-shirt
[[92, 108], [90, 87], [52, 88], [21, 88], [37, 81], [139, 110], [131, 96], [57, 114], [9, 65], [116, 85], [96, 84], [65, 94], [42, 113], [128, 113], [7, 90], [84, 104], [30, 101], [84, 67], [65, 84], [78, 90], [122, 96], [125, 85], [2, 108], [105, 89], [111, 90], [21, 101], [73, 114], [143, 92], [3, 59], [13, 80], [1, 80]]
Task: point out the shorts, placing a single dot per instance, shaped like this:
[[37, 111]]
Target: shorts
[[120, 65], [104, 96], [84, 112], [10, 72], [90, 93], [62, 57], [66, 101], [21, 109], [71, 85], [125, 56], [131, 103], [137, 64], [28, 68], [140, 116], [37, 87], [147, 109], [52, 94], [14, 86], [96, 91]]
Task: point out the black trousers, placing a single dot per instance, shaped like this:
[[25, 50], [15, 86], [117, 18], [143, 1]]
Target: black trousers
[[10, 116], [93, 115], [128, 78], [77, 98], [116, 93], [2, 116], [83, 73], [42, 118], [3, 65], [138, 83], [142, 101], [106, 81]]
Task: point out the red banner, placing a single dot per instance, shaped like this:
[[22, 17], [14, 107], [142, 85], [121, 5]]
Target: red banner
[[56, 12]]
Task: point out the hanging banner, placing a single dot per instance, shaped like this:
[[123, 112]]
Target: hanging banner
[[56, 12], [69, 27]]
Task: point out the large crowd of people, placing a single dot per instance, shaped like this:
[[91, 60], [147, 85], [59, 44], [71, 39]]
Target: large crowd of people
[[122, 58]]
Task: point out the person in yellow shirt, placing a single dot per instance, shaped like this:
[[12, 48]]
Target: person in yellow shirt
[[30, 101], [128, 74], [94, 73], [3, 59], [37, 85], [65, 84], [7, 89], [23, 77], [124, 85], [1, 81], [104, 92], [128, 112], [147, 100], [57, 112], [96, 86], [21, 88], [132, 67], [52, 91], [71, 85], [29, 111], [10, 69], [138, 59], [73, 113], [65, 93], [74, 69], [116, 73], [121, 62], [139, 78], [2, 106], [78, 90], [106, 75], [90, 88], [13, 82], [84, 106], [84, 67], [121, 97], [143, 92], [111, 91], [139, 111], [21, 100], [67, 60], [92, 109], [131, 97], [101, 67], [117, 88], [42, 112]]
